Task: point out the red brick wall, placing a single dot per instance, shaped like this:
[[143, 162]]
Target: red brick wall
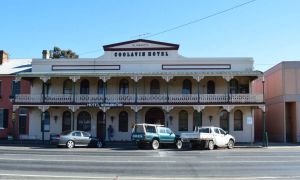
[[6, 104]]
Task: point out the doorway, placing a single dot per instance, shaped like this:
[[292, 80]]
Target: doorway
[[101, 125], [155, 116], [290, 121]]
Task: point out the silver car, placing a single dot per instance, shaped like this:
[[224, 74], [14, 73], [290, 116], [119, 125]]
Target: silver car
[[71, 139]]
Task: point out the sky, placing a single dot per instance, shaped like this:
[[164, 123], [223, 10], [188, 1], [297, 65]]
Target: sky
[[267, 30]]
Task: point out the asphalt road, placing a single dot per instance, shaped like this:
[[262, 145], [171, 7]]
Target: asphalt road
[[85, 163]]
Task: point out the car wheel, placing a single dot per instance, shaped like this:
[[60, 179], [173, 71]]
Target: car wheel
[[155, 144], [99, 144], [178, 144], [211, 145], [70, 144], [230, 144]]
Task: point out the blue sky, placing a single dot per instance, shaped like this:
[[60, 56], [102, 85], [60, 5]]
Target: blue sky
[[267, 30]]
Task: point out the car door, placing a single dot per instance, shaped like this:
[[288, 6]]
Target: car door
[[162, 134], [170, 135], [225, 138], [77, 137], [218, 137], [86, 138]]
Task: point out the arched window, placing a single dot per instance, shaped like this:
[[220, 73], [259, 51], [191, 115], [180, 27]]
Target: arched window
[[67, 87], [84, 87], [186, 87], [210, 87], [197, 119], [123, 121], [183, 121], [224, 120], [66, 121], [84, 121], [154, 87], [238, 120], [124, 87], [101, 87], [234, 86]]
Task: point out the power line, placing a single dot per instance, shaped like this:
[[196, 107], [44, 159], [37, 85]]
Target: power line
[[201, 19]]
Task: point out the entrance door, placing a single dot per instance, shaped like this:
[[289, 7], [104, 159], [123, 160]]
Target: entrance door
[[101, 125], [22, 124], [155, 116], [291, 130]]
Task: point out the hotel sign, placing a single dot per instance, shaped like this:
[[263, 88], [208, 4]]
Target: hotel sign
[[104, 105], [140, 53]]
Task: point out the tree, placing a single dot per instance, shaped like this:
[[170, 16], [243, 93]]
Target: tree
[[57, 53]]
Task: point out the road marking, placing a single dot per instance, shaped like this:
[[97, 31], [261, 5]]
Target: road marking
[[146, 178], [90, 161]]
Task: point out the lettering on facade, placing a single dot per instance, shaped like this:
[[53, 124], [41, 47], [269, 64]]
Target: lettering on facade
[[141, 54], [104, 105]]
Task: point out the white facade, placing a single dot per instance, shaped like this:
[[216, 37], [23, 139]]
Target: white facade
[[184, 88]]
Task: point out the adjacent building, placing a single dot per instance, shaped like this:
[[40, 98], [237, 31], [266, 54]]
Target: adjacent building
[[140, 81], [281, 87], [12, 124]]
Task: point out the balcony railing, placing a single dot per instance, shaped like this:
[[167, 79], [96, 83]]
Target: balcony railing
[[140, 98]]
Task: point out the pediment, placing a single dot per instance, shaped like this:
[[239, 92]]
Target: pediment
[[140, 44]]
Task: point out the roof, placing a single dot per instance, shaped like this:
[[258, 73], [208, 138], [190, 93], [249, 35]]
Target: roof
[[14, 66]]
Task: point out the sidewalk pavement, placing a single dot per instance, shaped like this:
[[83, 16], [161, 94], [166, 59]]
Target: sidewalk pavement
[[131, 145]]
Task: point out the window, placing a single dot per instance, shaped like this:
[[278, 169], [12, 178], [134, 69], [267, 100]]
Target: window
[[66, 121], [216, 130], [210, 87], [22, 120], [78, 134], [68, 87], [84, 121], [222, 131], [3, 118], [150, 129], [0, 89], [238, 120], [124, 87], [123, 121], [224, 120], [154, 87], [100, 89], [204, 130], [186, 87], [85, 134], [197, 119], [168, 131], [234, 86], [45, 122], [162, 130], [84, 87], [183, 121]]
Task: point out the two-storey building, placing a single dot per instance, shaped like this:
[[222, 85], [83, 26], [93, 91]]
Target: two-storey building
[[140, 81]]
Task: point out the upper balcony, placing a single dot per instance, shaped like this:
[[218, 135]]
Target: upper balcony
[[142, 99]]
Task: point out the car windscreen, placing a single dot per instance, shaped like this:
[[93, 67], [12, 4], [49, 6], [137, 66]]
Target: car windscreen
[[204, 130]]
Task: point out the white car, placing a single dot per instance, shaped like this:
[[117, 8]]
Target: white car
[[209, 137]]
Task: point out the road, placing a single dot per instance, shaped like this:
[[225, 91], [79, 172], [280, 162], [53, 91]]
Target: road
[[85, 163]]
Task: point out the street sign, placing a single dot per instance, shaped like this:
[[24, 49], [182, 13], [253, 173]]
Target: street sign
[[249, 120]]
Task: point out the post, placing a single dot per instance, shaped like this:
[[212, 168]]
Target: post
[[135, 120], [198, 89], [104, 92], [264, 129], [135, 92], [104, 127], [43, 91], [73, 120], [73, 90], [167, 92], [43, 126]]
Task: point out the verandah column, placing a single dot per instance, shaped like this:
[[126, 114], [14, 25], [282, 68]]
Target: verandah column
[[167, 79], [44, 79], [198, 79], [74, 79]]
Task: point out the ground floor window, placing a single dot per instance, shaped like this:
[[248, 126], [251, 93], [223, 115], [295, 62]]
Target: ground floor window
[[123, 121], [183, 121], [3, 118], [224, 120], [238, 120], [84, 121], [66, 121]]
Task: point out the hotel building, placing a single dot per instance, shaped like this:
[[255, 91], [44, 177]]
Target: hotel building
[[140, 81]]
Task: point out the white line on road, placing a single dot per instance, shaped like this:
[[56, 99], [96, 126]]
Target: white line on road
[[145, 178]]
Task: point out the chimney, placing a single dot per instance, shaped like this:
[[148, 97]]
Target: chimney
[[46, 54], [3, 57]]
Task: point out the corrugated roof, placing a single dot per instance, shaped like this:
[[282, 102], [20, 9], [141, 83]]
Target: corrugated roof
[[14, 66]]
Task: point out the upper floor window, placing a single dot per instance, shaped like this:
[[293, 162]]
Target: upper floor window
[[100, 89], [210, 87], [183, 121], [67, 87], [124, 86], [186, 87], [154, 87], [123, 121], [234, 86], [16, 87], [238, 120], [3, 118], [84, 87], [224, 120]]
